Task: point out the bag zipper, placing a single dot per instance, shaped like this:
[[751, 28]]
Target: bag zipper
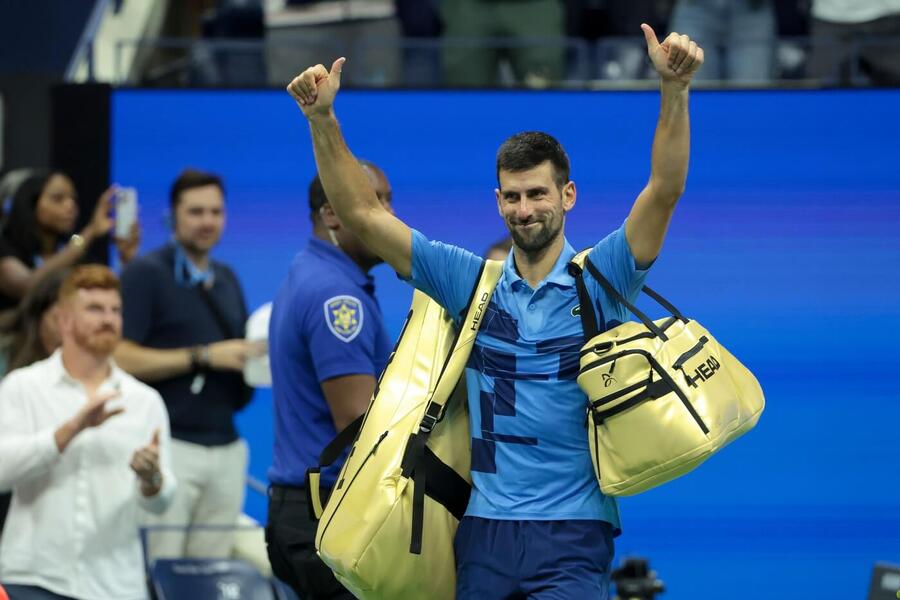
[[358, 471], [662, 373]]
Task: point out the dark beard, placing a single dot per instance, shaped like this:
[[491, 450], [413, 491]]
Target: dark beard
[[536, 242]]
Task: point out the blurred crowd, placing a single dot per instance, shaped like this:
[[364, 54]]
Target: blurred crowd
[[540, 43], [158, 351]]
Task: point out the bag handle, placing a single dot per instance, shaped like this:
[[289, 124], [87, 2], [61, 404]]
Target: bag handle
[[581, 261]]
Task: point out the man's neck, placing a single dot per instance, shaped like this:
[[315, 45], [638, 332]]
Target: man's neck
[[48, 243], [534, 267], [199, 259], [358, 260], [83, 366]]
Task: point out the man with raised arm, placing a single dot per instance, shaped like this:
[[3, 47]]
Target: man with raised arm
[[537, 524]]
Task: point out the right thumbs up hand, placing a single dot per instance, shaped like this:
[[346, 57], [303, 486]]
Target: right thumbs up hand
[[315, 89]]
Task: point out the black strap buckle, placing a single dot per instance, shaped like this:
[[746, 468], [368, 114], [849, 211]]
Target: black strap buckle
[[428, 423]]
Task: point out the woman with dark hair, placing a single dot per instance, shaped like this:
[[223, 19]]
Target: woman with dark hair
[[30, 332], [37, 234]]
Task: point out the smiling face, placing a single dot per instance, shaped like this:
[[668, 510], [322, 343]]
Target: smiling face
[[200, 218], [57, 206], [533, 206]]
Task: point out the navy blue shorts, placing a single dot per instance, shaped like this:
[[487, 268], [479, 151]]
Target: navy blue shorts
[[545, 560]]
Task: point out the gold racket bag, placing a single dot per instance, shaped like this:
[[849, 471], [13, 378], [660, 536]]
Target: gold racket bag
[[663, 395], [388, 525]]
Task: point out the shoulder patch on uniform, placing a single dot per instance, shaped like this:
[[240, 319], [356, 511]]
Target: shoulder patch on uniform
[[344, 316]]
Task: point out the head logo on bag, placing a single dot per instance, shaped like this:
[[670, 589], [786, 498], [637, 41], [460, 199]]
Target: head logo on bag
[[344, 316]]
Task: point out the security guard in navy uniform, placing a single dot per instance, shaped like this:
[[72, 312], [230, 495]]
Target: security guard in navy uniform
[[327, 346]]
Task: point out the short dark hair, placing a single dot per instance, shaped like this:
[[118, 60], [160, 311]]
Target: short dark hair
[[190, 179], [529, 149], [316, 195]]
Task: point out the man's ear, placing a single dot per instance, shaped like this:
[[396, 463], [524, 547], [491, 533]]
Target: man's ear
[[329, 218], [497, 195], [568, 196]]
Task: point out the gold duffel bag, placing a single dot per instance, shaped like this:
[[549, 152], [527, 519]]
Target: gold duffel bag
[[388, 525], [663, 395]]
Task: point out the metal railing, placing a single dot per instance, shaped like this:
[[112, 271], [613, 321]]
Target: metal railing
[[415, 62]]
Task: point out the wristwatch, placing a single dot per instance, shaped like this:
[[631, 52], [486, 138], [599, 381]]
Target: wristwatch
[[199, 358]]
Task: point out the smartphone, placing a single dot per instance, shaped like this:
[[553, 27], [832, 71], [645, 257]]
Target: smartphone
[[126, 211]]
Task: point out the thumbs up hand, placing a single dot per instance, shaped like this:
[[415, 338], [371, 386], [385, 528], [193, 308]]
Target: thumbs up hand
[[676, 59], [145, 464], [315, 88]]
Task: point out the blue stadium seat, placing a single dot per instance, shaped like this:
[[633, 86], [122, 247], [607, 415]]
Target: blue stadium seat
[[213, 579], [283, 591]]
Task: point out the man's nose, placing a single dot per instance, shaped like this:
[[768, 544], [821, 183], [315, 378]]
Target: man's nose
[[524, 210]]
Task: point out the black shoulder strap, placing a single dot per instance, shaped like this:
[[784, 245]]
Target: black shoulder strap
[[218, 315]]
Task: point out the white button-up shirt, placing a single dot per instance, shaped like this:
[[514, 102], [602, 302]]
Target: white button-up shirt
[[73, 525]]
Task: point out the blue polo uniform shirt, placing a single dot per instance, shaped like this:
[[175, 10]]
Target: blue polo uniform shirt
[[325, 323], [530, 457]]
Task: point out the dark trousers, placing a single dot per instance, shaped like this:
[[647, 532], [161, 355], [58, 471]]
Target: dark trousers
[[290, 541], [31, 592], [546, 560]]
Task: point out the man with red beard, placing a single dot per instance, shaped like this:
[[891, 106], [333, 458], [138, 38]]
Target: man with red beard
[[85, 447]]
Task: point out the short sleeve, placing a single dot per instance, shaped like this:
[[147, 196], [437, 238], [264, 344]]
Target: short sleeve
[[341, 332], [138, 284], [446, 273], [613, 257]]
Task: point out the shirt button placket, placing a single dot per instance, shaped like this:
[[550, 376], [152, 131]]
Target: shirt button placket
[[80, 525]]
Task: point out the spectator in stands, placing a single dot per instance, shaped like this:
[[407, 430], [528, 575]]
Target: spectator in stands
[[29, 334], [853, 39], [324, 368], [739, 37], [37, 239], [84, 446], [420, 24], [535, 30], [183, 334]]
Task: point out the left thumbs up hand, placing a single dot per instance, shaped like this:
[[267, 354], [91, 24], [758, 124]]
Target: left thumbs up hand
[[676, 59], [145, 464]]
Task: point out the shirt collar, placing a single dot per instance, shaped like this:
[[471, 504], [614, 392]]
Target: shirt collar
[[187, 273], [331, 253], [559, 274], [58, 373]]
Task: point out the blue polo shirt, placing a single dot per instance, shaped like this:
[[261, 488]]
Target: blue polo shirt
[[325, 323], [530, 457]]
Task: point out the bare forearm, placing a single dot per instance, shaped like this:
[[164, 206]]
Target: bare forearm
[[347, 186], [671, 144], [16, 278], [152, 364]]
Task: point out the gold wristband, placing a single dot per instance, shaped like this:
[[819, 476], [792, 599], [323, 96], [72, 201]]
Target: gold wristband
[[77, 241]]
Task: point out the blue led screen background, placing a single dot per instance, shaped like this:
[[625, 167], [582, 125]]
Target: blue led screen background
[[785, 245]]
